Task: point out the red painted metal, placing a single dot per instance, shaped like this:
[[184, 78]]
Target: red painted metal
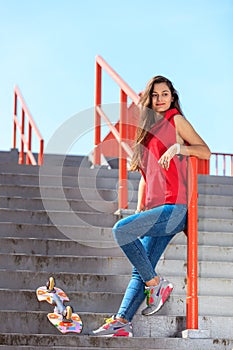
[[122, 84], [25, 142], [192, 247], [21, 153], [203, 166], [29, 143], [123, 149], [98, 93], [123, 186], [15, 127]]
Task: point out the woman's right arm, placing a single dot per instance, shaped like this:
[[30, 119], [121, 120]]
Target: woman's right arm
[[141, 195]]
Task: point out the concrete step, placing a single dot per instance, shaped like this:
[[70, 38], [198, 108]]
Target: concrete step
[[206, 269], [20, 279], [58, 204], [58, 217], [51, 247], [109, 302], [215, 225], [35, 322], [77, 233], [221, 239], [216, 189], [96, 219], [108, 265], [11, 157], [88, 205], [56, 246], [52, 169], [205, 253], [84, 282], [53, 264], [214, 200], [66, 160], [73, 171], [57, 192], [8, 229], [216, 212], [215, 180], [89, 180], [84, 342]]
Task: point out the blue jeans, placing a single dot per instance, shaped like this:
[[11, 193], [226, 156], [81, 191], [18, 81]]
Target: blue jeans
[[143, 237]]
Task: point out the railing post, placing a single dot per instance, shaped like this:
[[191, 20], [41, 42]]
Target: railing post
[[203, 166], [40, 156], [123, 188], [192, 330], [21, 154], [216, 164], [15, 114], [192, 267], [28, 161], [97, 151], [224, 165]]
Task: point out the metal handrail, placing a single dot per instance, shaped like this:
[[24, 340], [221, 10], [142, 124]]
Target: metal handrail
[[124, 149], [26, 142], [120, 82], [192, 246]]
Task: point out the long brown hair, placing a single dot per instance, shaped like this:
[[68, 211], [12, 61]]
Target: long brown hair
[[148, 117]]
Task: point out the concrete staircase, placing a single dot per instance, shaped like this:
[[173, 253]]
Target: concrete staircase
[[56, 220]]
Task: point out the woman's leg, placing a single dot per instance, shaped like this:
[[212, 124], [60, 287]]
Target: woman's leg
[[155, 227], [160, 222], [134, 295]]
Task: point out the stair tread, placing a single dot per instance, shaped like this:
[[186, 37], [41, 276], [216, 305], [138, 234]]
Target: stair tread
[[113, 343], [76, 293]]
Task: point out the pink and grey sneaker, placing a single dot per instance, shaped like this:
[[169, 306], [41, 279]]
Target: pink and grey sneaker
[[157, 296], [114, 328]]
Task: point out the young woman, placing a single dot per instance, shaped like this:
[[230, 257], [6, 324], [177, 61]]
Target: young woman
[[164, 139]]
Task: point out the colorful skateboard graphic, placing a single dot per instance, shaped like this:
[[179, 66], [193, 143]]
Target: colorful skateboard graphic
[[63, 317]]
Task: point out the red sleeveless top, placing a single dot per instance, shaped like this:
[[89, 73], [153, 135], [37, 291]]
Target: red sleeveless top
[[163, 186]]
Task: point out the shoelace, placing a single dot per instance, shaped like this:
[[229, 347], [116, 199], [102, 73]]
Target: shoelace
[[148, 293], [108, 320]]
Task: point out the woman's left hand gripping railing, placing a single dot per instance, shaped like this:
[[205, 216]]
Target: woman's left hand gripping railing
[[25, 139]]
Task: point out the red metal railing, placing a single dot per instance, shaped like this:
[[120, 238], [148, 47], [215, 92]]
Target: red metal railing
[[120, 136], [25, 140], [192, 246]]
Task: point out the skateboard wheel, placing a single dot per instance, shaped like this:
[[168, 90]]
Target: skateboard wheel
[[69, 312], [50, 284]]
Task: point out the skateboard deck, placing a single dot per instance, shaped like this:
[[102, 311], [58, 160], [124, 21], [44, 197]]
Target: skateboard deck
[[63, 317], [66, 326], [44, 295]]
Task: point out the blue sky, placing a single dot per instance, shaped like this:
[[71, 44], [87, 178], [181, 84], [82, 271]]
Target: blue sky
[[48, 49]]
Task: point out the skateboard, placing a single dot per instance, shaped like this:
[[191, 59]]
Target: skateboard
[[63, 317]]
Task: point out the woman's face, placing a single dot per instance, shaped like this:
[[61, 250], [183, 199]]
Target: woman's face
[[161, 98]]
